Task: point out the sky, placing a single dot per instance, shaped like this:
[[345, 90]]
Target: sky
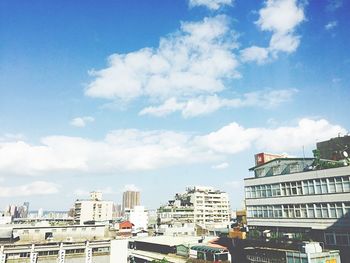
[[160, 95]]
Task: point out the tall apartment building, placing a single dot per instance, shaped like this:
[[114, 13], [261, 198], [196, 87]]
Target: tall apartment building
[[200, 205], [94, 209], [300, 199], [130, 199]]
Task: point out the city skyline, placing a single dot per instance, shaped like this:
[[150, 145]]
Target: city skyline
[[156, 96]]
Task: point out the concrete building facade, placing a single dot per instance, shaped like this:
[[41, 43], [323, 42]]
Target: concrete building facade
[[200, 205], [95, 209], [131, 199], [292, 198]]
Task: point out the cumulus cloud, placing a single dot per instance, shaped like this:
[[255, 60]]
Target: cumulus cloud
[[331, 25], [81, 121], [234, 138], [254, 53], [202, 105], [211, 4], [281, 18], [196, 60], [136, 150], [220, 166], [34, 188]]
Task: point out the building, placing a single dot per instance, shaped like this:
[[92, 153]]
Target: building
[[335, 148], [200, 205], [300, 199], [70, 252], [130, 199], [93, 210], [138, 216]]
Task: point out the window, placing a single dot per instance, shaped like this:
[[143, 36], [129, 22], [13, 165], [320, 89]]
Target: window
[[305, 188], [294, 190], [303, 211], [331, 185], [324, 186], [310, 211], [311, 187], [324, 209], [318, 211], [317, 187], [268, 191], [346, 184], [338, 185], [342, 239], [339, 208], [332, 211], [329, 238], [297, 211]]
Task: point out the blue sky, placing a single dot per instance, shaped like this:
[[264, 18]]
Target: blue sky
[[160, 95]]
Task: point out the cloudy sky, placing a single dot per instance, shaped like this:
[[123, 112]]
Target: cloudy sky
[[163, 94]]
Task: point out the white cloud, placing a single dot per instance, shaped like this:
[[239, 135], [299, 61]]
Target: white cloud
[[207, 104], [196, 60], [220, 166], [281, 17], [12, 137], [234, 138], [81, 121], [254, 53], [34, 188], [136, 150], [211, 4], [331, 25]]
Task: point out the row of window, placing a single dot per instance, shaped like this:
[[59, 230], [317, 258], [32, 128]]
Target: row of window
[[27, 231], [319, 210], [339, 239], [307, 187]]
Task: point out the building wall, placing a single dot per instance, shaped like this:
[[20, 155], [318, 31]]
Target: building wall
[[93, 210], [63, 233], [131, 199]]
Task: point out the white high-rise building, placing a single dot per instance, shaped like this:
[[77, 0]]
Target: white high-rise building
[[94, 209], [200, 205]]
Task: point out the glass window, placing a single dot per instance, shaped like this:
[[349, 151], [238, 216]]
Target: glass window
[[324, 186], [303, 211], [330, 240], [338, 185], [310, 211], [311, 187], [346, 184], [305, 188], [294, 189], [253, 192], [331, 185], [317, 187], [342, 239], [297, 211], [268, 191], [332, 211], [283, 188], [318, 211], [339, 208], [324, 208]]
